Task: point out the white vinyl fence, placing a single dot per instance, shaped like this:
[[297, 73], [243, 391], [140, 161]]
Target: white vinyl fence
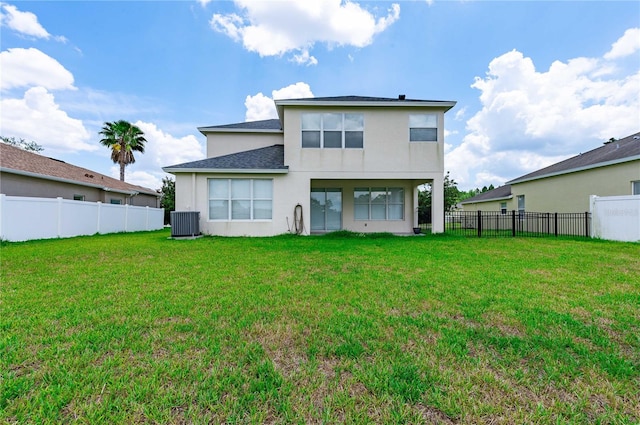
[[616, 218], [23, 218]]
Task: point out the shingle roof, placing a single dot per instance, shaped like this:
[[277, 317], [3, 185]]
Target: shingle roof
[[269, 158], [611, 153], [19, 160], [273, 124], [501, 192]]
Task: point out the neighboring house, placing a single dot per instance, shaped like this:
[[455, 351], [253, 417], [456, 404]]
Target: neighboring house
[[325, 164], [610, 170], [24, 173]]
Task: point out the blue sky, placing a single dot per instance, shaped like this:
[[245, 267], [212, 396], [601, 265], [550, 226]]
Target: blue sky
[[535, 82]]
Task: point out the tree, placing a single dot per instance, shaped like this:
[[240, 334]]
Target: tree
[[123, 138], [168, 200], [22, 144], [451, 198]]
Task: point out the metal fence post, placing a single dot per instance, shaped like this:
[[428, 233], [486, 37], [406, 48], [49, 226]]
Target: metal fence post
[[555, 223], [513, 223], [586, 224], [479, 223]]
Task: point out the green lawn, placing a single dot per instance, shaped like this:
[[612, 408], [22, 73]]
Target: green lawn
[[138, 328]]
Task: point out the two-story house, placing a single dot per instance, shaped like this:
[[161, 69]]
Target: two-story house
[[327, 163]]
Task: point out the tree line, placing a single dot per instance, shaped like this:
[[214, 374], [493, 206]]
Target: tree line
[[452, 196]]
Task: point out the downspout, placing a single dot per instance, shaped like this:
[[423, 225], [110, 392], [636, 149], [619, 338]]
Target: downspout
[[131, 195]]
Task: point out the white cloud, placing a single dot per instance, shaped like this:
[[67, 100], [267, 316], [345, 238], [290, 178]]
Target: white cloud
[[530, 119], [304, 58], [37, 117], [261, 107], [30, 67], [162, 149], [626, 45], [23, 22], [274, 28]]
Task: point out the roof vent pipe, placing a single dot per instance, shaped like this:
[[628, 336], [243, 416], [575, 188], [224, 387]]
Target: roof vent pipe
[[401, 97]]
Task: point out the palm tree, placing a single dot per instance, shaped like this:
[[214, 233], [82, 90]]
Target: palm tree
[[123, 138]]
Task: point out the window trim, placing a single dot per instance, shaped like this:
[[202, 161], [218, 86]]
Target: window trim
[[252, 198], [322, 130], [435, 115], [503, 207], [387, 203]]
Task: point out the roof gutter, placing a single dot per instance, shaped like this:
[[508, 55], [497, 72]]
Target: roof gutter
[[205, 130], [503, 198], [62, 180], [227, 170]]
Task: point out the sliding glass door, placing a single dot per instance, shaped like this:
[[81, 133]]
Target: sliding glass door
[[326, 209]]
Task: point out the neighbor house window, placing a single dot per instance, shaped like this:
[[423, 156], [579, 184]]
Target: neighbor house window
[[521, 205], [240, 199], [115, 201], [423, 128], [378, 203], [635, 188], [78, 197], [503, 207], [333, 131]]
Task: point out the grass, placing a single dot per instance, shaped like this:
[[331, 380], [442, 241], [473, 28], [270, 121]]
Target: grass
[[138, 328]]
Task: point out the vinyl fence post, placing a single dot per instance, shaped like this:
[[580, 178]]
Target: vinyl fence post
[[2, 211], [479, 223], [59, 229], [126, 217], [513, 223], [99, 216]]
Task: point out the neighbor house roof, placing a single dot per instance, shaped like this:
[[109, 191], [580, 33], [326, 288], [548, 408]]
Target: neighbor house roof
[[18, 161], [497, 194], [263, 160], [622, 150]]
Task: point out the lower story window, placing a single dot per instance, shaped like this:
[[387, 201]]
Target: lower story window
[[240, 199], [503, 208], [378, 203], [635, 190], [115, 201]]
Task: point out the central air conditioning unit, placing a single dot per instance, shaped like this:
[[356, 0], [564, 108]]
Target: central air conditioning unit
[[185, 223]]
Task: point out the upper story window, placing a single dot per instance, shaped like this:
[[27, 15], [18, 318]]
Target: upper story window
[[423, 128], [328, 131]]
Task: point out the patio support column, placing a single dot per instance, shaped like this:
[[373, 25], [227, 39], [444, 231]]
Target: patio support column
[[437, 205], [415, 206]]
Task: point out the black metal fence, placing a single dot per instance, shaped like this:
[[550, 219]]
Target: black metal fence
[[517, 223]]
